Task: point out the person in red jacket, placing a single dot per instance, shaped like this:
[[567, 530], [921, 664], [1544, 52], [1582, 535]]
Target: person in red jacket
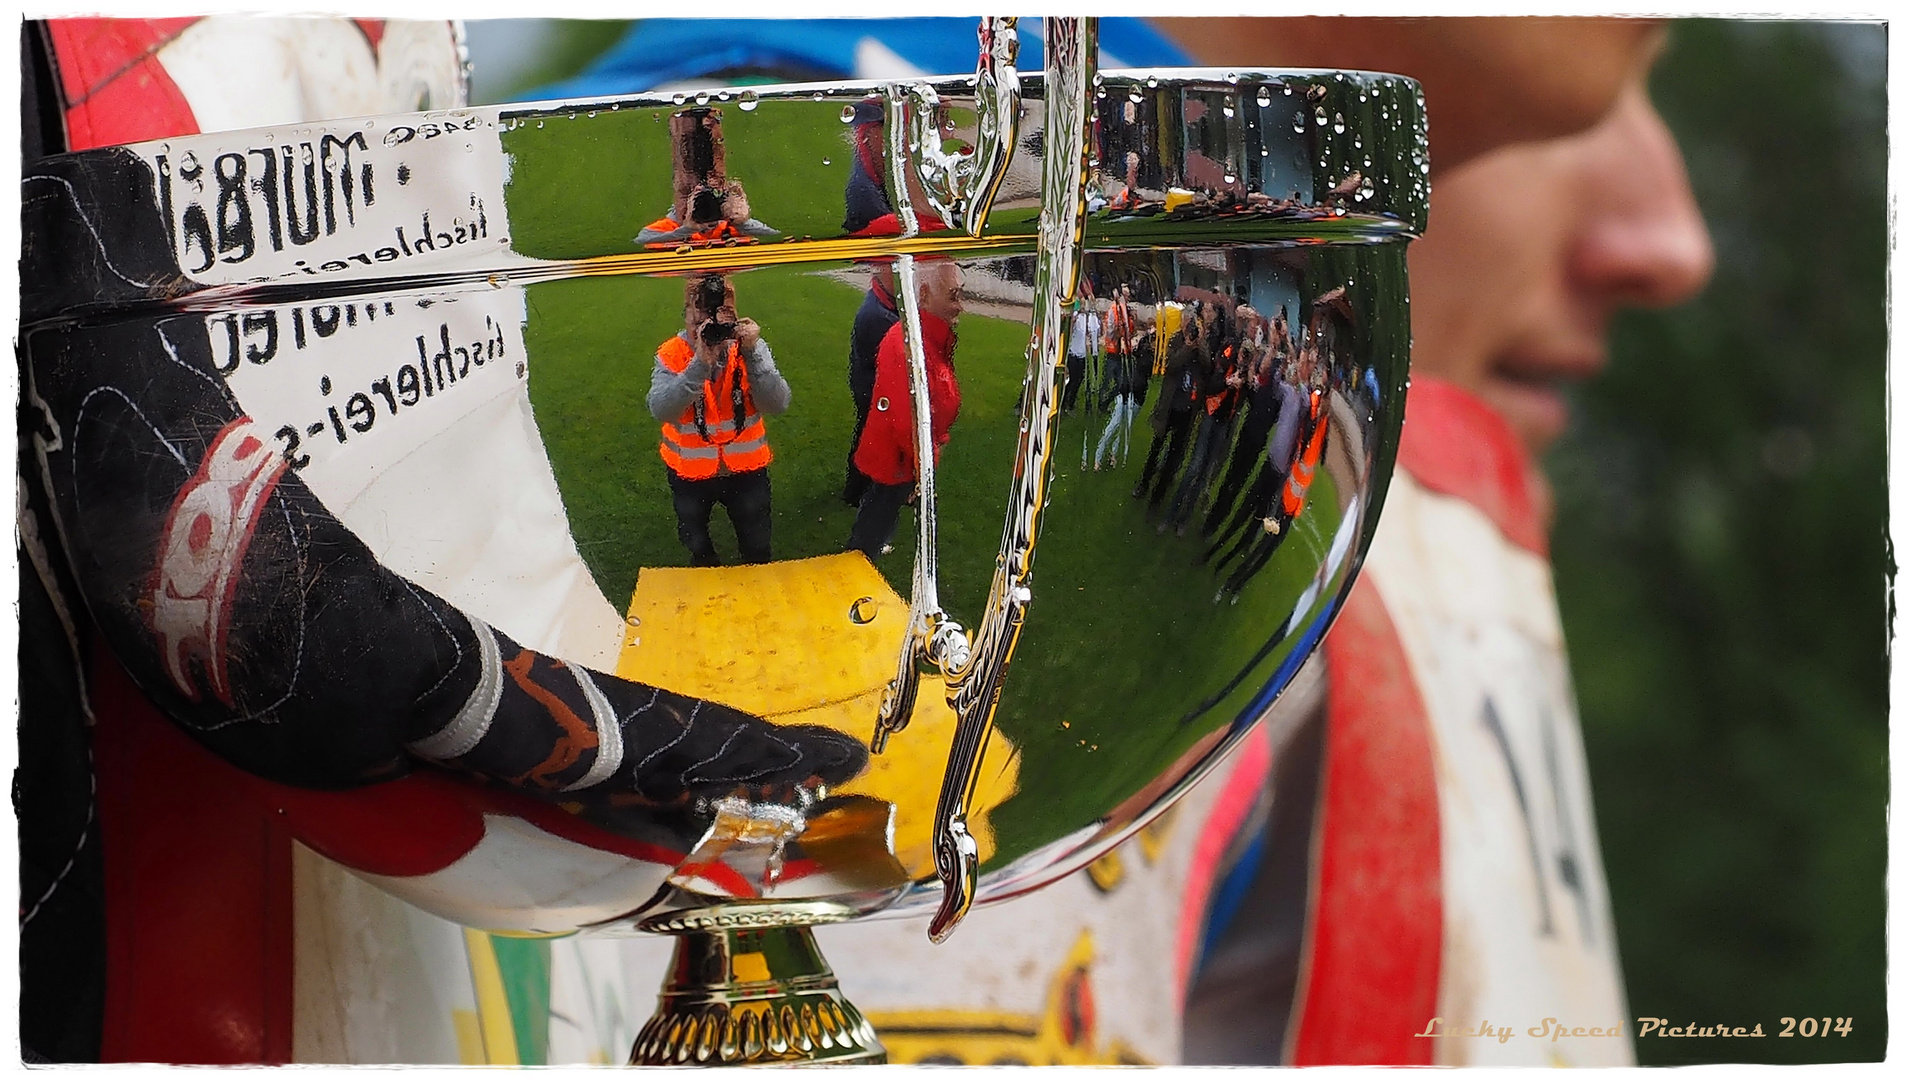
[[886, 451]]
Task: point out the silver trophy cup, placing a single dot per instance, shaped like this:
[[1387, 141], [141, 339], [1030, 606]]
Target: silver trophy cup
[[476, 324]]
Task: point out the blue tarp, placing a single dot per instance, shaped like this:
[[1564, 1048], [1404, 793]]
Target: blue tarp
[[660, 52]]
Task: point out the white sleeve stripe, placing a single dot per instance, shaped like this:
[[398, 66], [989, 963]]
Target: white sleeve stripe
[[472, 722], [608, 733]]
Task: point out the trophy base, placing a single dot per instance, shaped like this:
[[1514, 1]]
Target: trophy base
[[748, 986]]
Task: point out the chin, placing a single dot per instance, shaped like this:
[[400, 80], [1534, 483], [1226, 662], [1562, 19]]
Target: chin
[[1537, 413]]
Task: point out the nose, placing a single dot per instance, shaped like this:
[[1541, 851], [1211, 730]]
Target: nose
[[1644, 243]]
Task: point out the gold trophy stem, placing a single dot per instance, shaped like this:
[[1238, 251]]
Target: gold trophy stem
[[751, 994]]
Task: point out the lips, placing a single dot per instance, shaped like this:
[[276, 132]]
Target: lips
[[1530, 390]]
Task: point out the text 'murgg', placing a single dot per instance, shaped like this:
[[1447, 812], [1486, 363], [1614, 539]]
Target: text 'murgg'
[[355, 199]]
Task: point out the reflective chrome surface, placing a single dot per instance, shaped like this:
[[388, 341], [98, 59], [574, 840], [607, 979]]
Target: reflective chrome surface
[[1178, 588]]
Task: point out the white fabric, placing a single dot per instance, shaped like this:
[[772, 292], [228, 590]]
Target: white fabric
[[1085, 337], [1522, 945], [254, 72]]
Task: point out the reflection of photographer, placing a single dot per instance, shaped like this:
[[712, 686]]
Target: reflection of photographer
[[710, 208], [712, 384]]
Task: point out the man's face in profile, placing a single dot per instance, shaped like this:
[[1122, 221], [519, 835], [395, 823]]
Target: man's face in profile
[[1559, 196], [1487, 81], [1533, 247], [940, 290]]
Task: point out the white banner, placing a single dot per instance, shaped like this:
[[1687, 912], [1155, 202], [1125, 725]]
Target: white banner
[[400, 195], [409, 416], [347, 387]]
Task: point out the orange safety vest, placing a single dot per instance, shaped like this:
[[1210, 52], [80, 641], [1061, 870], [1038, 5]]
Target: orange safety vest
[[1298, 484], [722, 428], [722, 232], [1216, 400], [1119, 329]]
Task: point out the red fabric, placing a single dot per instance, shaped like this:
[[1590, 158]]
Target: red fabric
[[1455, 444], [890, 225], [1374, 944], [198, 894], [198, 875], [886, 450], [373, 31], [115, 88]]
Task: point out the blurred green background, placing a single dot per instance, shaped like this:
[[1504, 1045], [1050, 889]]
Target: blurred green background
[[1720, 547], [1722, 561]]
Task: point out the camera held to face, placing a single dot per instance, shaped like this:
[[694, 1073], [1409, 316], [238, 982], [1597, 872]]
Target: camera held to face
[[707, 206], [710, 296]]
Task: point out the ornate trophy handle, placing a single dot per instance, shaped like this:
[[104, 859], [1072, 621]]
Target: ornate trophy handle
[[975, 667], [960, 187], [932, 640], [1072, 52], [960, 184]]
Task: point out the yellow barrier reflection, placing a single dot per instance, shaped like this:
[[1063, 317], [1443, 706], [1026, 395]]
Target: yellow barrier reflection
[[810, 641]]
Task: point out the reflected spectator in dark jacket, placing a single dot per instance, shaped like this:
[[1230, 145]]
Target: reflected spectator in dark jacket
[[1267, 347], [1275, 452], [878, 315], [1175, 410], [867, 166], [1291, 498], [1221, 390]]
